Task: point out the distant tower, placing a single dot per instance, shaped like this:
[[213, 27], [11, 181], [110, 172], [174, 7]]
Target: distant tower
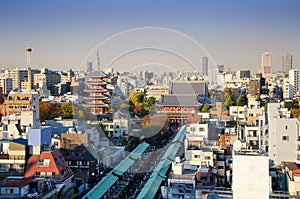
[[266, 63], [89, 67], [98, 60], [287, 63], [28, 52], [204, 66]]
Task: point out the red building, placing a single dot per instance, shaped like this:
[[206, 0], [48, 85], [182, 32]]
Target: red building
[[96, 97], [50, 165]]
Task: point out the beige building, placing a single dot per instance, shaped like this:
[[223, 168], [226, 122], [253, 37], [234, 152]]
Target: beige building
[[156, 91], [18, 102], [12, 158], [18, 76], [266, 63]]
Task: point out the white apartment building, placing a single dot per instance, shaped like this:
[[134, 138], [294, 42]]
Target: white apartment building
[[194, 143], [250, 176], [284, 144], [294, 79], [287, 88]]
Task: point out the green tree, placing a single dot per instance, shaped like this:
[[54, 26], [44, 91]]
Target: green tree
[[228, 98], [242, 100], [66, 110], [205, 108]]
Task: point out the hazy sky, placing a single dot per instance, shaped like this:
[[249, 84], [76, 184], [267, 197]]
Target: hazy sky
[[63, 32]]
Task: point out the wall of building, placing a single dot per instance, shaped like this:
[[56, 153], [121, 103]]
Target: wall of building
[[250, 176]]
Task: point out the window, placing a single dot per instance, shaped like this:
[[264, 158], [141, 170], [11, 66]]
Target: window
[[10, 191], [196, 156], [192, 129], [286, 127], [201, 129], [207, 158], [285, 138]]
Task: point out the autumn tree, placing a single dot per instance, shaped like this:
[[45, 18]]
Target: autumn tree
[[66, 110], [49, 111], [296, 112], [139, 104]]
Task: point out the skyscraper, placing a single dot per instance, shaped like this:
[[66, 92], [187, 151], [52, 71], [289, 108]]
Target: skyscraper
[[266, 63], [287, 63], [205, 66], [89, 66]]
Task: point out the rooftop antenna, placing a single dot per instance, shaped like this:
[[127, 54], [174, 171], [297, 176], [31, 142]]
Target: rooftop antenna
[[98, 60], [28, 53]]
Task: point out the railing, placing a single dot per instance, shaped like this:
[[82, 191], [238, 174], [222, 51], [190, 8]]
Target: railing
[[9, 195]]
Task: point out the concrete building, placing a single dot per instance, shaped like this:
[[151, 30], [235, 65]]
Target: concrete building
[[205, 66], [88, 66], [294, 79], [238, 113], [51, 78], [287, 63], [156, 91], [18, 76], [18, 102], [39, 138], [283, 135], [250, 176], [194, 146], [13, 157], [255, 85], [292, 171], [244, 73], [266, 63], [287, 88], [7, 84]]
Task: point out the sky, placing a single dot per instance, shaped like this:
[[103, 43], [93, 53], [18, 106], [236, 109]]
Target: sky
[[63, 33]]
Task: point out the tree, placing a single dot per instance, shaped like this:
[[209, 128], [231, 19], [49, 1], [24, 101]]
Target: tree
[[146, 120], [67, 110], [49, 111], [296, 112], [205, 108], [228, 98], [242, 100], [134, 98]]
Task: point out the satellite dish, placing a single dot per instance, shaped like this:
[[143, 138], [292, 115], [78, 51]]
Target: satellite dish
[[237, 145]]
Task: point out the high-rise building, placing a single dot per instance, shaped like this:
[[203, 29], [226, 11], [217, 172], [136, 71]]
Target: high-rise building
[[266, 63], [89, 66], [18, 76], [294, 79], [287, 63], [205, 66]]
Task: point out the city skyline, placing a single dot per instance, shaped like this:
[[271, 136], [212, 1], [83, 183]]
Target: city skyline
[[234, 33]]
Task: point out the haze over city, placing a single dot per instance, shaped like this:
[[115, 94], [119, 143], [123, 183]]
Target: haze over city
[[234, 33]]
